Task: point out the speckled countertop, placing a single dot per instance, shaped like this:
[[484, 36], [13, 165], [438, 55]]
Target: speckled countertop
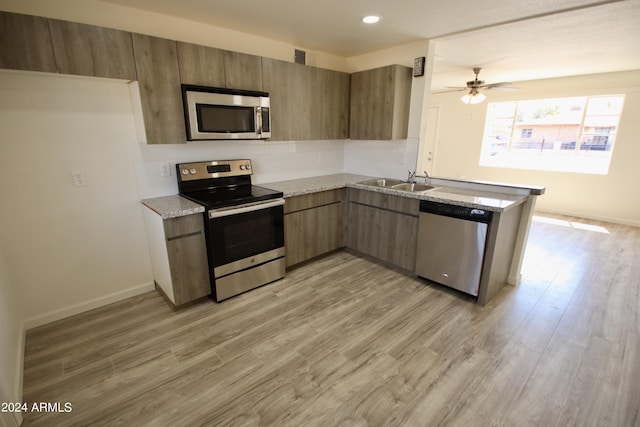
[[172, 206], [488, 200], [298, 187], [176, 206]]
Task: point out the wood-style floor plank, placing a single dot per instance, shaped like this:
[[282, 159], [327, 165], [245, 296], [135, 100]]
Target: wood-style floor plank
[[345, 341]]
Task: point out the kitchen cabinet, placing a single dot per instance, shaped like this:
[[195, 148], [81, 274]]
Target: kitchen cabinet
[[159, 84], [178, 256], [209, 66], [201, 65], [25, 43], [87, 50], [329, 108], [383, 226], [313, 225], [306, 102], [242, 71], [380, 103]]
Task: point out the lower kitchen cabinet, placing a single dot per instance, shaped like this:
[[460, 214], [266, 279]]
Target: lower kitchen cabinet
[[178, 256], [383, 226], [313, 225]]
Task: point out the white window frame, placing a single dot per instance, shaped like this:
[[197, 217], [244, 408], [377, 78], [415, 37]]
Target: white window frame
[[558, 157]]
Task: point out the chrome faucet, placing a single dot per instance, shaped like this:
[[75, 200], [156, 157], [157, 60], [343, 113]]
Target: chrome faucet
[[412, 175], [426, 178]]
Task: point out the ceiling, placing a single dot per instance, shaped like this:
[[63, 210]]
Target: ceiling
[[511, 40]]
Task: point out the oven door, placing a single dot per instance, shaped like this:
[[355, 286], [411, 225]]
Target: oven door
[[242, 232]]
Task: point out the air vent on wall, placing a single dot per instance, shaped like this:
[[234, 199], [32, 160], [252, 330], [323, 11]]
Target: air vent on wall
[[300, 56]]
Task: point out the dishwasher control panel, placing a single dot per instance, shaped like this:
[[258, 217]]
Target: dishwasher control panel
[[462, 212]]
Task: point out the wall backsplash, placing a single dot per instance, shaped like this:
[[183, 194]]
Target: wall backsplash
[[277, 161], [391, 159], [271, 160]]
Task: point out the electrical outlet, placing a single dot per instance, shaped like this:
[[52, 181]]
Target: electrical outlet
[[79, 179], [165, 169]]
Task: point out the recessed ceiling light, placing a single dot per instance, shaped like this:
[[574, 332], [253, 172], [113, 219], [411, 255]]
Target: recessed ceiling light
[[371, 19]]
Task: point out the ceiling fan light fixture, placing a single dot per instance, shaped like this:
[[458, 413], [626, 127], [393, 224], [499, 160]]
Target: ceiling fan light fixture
[[371, 19], [473, 97]]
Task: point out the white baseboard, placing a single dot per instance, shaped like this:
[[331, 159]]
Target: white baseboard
[[52, 316]]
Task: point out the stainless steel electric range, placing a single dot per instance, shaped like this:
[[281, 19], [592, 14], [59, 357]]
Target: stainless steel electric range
[[244, 224]]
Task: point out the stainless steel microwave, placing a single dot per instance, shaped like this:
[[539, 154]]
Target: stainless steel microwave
[[219, 113]]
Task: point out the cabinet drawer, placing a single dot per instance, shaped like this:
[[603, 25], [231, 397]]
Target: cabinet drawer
[[184, 225], [307, 201]]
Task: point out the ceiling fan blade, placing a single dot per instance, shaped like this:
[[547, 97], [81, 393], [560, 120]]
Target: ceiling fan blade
[[502, 88], [460, 89], [496, 85]]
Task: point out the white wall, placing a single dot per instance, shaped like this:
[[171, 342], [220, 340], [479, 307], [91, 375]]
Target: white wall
[[271, 160], [69, 248], [613, 197], [390, 159], [11, 339]]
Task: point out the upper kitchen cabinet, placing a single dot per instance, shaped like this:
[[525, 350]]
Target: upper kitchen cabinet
[[306, 102], [208, 66], [88, 50], [25, 43], [159, 82], [329, 104], [242, 71], [201, 65], [289, 94], [380, 103]]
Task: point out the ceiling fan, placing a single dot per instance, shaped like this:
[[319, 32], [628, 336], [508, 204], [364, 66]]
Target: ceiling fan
[[474, 96]]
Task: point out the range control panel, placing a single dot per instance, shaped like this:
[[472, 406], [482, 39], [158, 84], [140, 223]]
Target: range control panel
[[213, 169]]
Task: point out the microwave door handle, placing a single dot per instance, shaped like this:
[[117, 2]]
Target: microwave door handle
[[258, 120]]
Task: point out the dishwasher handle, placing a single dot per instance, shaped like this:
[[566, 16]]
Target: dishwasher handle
[[455, 211]]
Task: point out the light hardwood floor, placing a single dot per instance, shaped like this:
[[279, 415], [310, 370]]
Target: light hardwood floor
[[344, 341]]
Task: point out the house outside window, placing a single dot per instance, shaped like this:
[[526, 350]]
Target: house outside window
[[562, 134], [526, 133]]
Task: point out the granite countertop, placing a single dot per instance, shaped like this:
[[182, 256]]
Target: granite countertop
[[480, 199], [176, 206], [299, 187], [486, 200], [172, 206]]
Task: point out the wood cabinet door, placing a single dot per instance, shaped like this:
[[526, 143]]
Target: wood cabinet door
[[329, 107], [201, 65], [242, 71], [380, 103], [289, 92], [384, 227], [87, 50], [25, 43], [159, 82], [312, 232], [189, 267]]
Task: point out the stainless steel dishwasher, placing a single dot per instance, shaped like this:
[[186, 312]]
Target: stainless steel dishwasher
[[451, 241]]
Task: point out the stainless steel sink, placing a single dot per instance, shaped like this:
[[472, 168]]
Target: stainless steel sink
[[413, 187], [382, 182]]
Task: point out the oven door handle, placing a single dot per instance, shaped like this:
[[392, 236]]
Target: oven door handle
[[243, 209]]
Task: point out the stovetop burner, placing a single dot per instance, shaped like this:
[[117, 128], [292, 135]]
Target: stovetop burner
[[239, 195], [221, 183]]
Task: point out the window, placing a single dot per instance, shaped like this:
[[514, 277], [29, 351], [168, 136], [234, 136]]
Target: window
[[561, 134]]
